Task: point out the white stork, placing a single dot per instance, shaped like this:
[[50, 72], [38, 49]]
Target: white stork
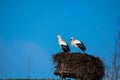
[[78, 44], [63, 45]]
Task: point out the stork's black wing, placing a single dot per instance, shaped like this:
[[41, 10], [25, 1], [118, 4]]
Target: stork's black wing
[[81, 46], [65, 48]]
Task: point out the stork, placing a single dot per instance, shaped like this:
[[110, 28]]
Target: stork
[[78, 44], [63, 45]]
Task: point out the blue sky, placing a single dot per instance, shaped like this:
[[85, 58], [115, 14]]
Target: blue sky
[[28, 30]]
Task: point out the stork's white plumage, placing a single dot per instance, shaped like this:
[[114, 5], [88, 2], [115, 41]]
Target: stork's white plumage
[[78, 44], [63, 45]]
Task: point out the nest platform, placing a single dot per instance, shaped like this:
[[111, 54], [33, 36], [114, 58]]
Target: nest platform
[[78, 65]]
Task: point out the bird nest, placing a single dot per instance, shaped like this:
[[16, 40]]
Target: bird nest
[[77, 65]]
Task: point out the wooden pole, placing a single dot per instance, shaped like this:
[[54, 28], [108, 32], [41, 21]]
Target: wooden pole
[[61, 76]]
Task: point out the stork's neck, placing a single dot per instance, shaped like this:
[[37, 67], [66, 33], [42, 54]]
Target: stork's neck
[[59, 39]]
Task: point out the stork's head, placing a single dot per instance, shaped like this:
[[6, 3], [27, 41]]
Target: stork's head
[[58, 36], [72, 38]]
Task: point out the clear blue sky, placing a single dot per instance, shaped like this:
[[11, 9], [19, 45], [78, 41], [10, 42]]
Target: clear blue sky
[[28, 30]]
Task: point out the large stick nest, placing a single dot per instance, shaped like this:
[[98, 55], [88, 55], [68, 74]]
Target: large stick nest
[[77, 65]]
